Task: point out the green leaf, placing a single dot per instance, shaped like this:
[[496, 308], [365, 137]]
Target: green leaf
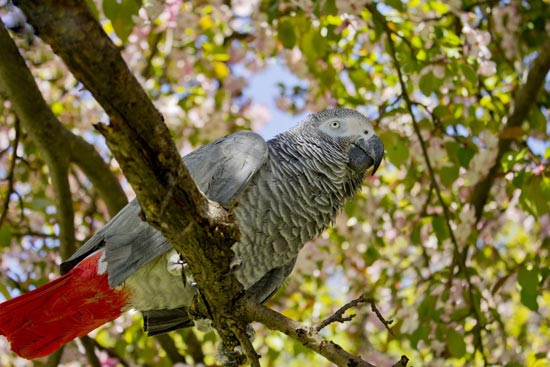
[[452, 39], [448, 175], [529, 300], [465, 155], [396, 147], [456, 344], [444, 114], [121, 14], [419, 334], [528, 280], [535, 196], [5, 236], [460, 314], [330, 7], [286, 33], [440, 228], [396, 4], [428, 83], [4, 291], [426, 310], [469, 73], [537, 120], [512, 158]]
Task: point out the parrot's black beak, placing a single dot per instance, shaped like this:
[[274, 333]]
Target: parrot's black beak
[[373, 148]]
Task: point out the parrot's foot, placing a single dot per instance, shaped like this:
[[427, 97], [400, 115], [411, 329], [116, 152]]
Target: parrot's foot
[[176, 265]]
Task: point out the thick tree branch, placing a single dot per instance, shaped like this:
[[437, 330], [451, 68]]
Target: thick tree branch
[[38, 120], [525, 99], [143, 147]]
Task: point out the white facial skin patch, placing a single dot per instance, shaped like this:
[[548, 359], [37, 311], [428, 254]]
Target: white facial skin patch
[[347, 127]]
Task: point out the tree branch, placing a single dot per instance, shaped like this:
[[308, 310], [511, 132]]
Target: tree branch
[[525, 99], [308, 336], [38, 120]]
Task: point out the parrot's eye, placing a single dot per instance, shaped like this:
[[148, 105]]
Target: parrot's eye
[[335, 124], [366, 132]]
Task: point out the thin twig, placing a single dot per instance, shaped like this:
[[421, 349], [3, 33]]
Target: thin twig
[[338, 316], [386, 323]]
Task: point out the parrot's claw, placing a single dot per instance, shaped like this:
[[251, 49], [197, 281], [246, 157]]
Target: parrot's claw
[[176, 265], [235, 263]]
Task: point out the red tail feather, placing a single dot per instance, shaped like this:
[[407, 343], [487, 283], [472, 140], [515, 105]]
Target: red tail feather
[[41, 321]]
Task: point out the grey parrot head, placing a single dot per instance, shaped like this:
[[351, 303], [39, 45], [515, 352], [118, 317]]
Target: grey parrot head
[[352, 133]]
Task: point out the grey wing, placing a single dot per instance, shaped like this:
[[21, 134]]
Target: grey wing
[[221, 170], [129, 244]]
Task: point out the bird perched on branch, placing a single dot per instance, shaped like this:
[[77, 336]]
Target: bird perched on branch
[[287, 190]]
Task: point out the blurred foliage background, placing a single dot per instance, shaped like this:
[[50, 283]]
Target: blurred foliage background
[[451, 237]]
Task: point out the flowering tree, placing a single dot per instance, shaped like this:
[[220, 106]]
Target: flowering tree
[[451, 238]]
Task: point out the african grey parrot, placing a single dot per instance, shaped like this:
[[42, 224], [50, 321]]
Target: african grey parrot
[[288, 190]]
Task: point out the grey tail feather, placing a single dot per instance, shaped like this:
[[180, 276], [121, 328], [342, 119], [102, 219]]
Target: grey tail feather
[[157, 322]]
